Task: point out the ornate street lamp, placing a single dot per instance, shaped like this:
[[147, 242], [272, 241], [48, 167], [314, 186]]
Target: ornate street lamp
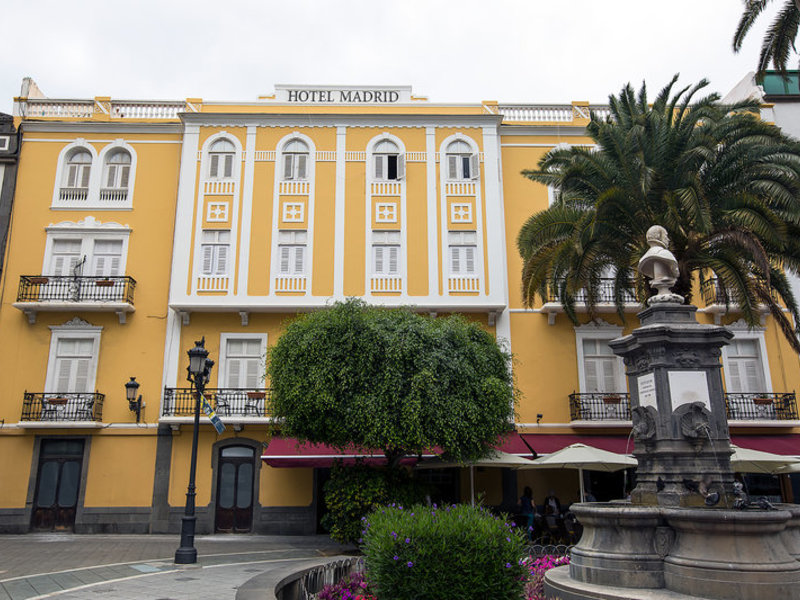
[[199, 371], [134, 403]]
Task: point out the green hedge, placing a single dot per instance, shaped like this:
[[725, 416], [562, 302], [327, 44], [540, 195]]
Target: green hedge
[[455, 552]]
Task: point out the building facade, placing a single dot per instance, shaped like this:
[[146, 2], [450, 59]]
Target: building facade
[[140, 227]]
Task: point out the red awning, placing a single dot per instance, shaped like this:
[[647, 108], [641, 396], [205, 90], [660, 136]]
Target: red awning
[[777, 444]]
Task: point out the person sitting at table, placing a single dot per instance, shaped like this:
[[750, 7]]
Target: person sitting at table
[[552, 505], [527, 510]]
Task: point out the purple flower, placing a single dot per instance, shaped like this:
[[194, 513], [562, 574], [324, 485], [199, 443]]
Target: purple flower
[[408, 540], [394, 535], [396, 557], [508, 565], [409, 564]]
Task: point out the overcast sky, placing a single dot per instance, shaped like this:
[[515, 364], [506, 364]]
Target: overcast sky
[[530, 51]]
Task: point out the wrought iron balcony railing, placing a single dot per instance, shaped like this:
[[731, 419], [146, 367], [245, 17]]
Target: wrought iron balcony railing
[[227, 402], [712, 293], [68, 288], [599, 406], [780, 406], [605, 294], [57, 406], [761, 406]]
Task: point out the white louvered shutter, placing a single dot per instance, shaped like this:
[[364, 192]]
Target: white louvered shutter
[[474, 166], [73, 365], [734, 377], [252, 373], [234, 372], [379, 166], [590, 374], [85, 171], [455, 259], [469, 259], [299, 259], [208, 259], [394, 260], [125, 173], [72, 176], [229, 165], [377, 252], [302, 166], [213, 171], [284, 258], [66, 254], [107, 258], [609, 374], [222, 260], [401, 166], [452, 167], [111, 178], [287, 166]]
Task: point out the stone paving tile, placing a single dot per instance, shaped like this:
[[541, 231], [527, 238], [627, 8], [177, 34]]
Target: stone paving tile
[[3, 594], [19, 590], [45, 585]]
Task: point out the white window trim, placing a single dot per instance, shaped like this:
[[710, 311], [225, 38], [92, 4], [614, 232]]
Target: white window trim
[[310, 162], [205, 160], [443, 166], [88, 231], [76, 328], [599, 330], [401, 153], [118, 144], [223, 345], [291, 244], [741, 331]]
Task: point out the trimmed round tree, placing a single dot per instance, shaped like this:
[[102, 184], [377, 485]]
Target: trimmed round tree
[[390, 379]]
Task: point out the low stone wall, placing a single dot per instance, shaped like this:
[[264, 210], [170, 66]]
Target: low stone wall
[[305, 584]]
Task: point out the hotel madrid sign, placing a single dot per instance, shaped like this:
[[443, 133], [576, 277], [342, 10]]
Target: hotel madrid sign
[[324, 94]]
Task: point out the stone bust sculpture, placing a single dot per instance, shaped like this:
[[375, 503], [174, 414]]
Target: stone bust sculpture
[[660, 265]]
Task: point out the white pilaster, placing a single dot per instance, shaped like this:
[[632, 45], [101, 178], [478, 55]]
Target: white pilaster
[[247, 211], [338, 218], [433, 246], [495, 222], [182, 245]]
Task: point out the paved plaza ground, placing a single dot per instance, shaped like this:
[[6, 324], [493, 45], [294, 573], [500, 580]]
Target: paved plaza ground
[[139, 567]]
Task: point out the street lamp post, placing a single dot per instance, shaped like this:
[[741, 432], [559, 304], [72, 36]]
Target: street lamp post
[[199, 370]]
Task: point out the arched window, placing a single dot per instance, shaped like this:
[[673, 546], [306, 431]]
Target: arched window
[[221, 156], [389, 165], [295, 160], [79, 167], [462, 162], [117, 170]]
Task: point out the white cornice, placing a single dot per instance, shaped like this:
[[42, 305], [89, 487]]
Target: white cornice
[[115, 128], [555, 129], [334, 120], [292, 304]]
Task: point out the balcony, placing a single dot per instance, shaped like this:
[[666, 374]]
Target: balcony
[[604, 303], [761, 406], [758, 409], [231, 404], [71, 195], [56, 409], [600, 407], [113, 196], [714, 299], [70, 293]]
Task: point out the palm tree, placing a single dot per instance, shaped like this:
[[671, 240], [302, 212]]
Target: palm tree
[[778, 41], [724, 184]]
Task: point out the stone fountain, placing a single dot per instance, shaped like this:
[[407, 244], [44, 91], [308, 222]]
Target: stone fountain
[[680, 535]]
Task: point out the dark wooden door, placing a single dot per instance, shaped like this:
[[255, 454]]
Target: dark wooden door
[[235, 476], [57, 484]]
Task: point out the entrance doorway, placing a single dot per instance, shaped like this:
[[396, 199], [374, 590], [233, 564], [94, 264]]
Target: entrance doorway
[[57, 485], [235, 490]]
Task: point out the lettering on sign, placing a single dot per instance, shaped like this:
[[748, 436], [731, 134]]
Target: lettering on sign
[[353, 96], [647, 390]]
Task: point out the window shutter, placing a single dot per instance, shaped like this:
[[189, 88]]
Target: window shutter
[[213, 171], [253, 373], [752, 374], [85, 176], [401, 166], [222, 259], [208, 256], [284, 257], [82, 375], [590, 373], [100, 266], [234, 373], [452, 167], [609, 375], [72, 176], [229, 165], [111, 176], [302, 162], [114, 267], [394, 255], [469, 251], [63, 374], [474, 166], [287, 166], [455, 263], [299, 255], [125, 173], [378, 254], [379, 159], [734, 376]]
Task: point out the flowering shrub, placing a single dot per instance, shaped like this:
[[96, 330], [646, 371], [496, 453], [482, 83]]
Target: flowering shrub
[[352, 587], [455, 552], [534, 589]]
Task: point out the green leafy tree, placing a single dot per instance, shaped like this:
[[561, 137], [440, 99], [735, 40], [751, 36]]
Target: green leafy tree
[[778, 42], [391, 379], [722, 182]]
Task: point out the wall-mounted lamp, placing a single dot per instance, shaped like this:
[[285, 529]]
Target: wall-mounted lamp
[[134, 403], [539, 418]]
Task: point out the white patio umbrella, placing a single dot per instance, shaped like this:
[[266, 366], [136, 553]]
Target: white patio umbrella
[[580, 457], [744, 460], [497, 458]]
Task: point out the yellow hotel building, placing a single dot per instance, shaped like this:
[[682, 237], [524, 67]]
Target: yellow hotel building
[[139, 227]]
